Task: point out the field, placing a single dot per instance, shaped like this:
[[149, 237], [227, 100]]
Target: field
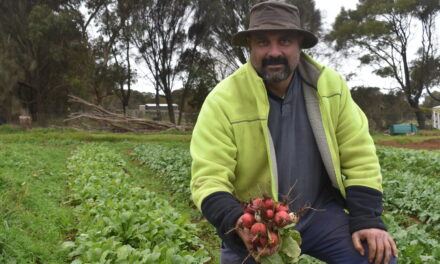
[[81, 197]]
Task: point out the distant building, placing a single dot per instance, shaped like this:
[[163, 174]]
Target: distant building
[[436, 117], [152, 107], [151, 111]]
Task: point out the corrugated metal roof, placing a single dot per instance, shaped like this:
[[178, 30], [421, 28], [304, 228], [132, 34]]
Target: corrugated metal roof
[[153, 105]]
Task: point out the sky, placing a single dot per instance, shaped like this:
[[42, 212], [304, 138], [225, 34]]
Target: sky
[[329, 10], [364, 76]]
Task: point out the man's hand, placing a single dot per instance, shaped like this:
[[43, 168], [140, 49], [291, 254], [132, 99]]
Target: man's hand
[[380, 244], [245, 235]]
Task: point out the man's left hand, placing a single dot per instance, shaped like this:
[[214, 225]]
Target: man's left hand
[[380, 244]]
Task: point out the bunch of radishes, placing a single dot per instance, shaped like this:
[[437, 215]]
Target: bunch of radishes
[[264, 217]]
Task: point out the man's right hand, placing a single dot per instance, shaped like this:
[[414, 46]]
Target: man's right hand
[[245, 235]]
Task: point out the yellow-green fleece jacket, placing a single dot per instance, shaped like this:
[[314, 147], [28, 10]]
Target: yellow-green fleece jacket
[[232, 149]]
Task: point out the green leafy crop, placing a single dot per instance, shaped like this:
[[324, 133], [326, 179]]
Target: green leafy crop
[[120, 222]]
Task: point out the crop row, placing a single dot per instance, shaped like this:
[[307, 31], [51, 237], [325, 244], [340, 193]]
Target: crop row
[[422, 162], [120, 222], [413, 194], [409, 183], [416, 244], [411, 188], [172, 165]]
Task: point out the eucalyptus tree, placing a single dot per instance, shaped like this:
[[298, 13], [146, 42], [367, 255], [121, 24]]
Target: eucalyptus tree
[[160, 35], [382, 33], [197, 64], [112, 20], [123, 74], [41, 42]]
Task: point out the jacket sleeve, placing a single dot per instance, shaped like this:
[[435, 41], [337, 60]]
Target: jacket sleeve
[[222, 210], [213, 152], [365, 206], [359, 165]]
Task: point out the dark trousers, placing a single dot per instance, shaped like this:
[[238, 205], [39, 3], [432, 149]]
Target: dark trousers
[[326, 238]]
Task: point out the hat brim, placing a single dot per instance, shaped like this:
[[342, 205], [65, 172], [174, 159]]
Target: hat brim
[[241, 38]]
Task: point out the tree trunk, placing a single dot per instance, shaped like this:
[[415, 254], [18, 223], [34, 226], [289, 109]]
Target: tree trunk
[[124, 109], [40, 110], [157, 100], [126, 96], [169, 100], [420, 118], [8, 107], [182, 105]]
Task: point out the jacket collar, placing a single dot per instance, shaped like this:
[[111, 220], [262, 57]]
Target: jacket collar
[[309, 70]]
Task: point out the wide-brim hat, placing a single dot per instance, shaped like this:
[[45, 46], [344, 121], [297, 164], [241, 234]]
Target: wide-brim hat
[[278, 16]]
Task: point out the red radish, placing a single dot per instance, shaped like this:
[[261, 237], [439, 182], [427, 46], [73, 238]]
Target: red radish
[[269, 214], [248, 220], [282, 218], [258, 229], [249, 209], [281, 207], [269, 204], [263, 241], [252, 239], [273, 240], [258, 203]]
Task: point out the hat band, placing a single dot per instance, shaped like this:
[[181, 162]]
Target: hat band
[[272, 25]]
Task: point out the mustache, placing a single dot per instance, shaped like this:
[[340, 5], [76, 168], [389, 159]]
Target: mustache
[[274, 61]]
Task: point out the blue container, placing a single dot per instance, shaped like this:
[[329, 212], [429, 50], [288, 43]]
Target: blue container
[[403, 129]]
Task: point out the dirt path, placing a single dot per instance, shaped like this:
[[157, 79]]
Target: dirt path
[[430, 144]]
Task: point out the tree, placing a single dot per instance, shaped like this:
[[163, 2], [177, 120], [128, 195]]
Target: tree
[[159, 35], [10, 73], [138, 98], [113, 18], [388, 109], [430, 101], [381, 31], [41, 44], [196, 61], [125, 75]]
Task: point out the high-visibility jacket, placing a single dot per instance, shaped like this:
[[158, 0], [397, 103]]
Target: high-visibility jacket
[[232, 149]]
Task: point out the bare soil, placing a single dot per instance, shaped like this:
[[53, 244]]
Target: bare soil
[[430, 144]]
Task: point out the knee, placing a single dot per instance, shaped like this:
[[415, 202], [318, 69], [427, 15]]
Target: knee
[[392, 261]]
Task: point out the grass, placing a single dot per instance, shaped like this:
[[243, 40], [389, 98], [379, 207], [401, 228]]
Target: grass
[[33, 219], [70, 136], [421, 136]]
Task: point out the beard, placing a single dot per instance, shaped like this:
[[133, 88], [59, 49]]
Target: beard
[[274, 76]]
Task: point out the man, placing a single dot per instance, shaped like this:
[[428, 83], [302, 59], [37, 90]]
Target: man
[[282, 122]]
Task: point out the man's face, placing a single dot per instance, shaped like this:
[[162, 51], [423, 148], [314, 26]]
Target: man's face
[[275, 55]]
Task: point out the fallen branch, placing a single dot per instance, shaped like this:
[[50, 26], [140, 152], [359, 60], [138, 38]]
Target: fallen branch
[[101, 119]]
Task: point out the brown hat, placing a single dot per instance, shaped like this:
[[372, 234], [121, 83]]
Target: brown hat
[[272, 15]]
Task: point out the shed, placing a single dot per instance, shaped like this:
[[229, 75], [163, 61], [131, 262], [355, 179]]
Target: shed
[[436, 117]]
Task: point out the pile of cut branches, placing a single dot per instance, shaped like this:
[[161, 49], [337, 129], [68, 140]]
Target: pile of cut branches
[[98, 118]]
